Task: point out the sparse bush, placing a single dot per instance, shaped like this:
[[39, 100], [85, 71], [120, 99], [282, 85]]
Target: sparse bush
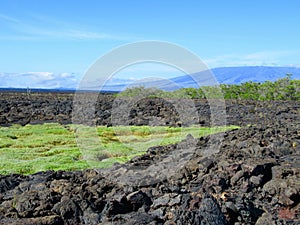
[[282, 89]]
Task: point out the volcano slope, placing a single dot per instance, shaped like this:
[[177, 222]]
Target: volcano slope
[[253, 179]]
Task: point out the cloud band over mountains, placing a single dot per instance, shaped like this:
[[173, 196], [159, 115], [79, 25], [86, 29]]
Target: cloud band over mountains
[[225, 75]]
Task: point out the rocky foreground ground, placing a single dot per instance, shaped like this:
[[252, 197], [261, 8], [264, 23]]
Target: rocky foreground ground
[[252, 176]]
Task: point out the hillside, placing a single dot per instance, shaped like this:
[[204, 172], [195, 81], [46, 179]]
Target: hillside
[[224, 75]]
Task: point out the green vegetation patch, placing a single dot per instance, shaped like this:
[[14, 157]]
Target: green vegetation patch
[[32, 148], [281, 89]]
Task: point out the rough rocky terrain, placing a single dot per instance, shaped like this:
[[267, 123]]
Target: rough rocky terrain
[[254, 178], [23, 109]]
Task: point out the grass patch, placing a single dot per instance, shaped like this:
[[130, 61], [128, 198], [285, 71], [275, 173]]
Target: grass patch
[[32, 148]]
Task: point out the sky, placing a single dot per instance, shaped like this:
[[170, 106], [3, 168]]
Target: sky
[[57, 41]]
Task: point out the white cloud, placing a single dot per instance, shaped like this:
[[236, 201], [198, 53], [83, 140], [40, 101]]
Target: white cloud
[[40, 28], [39, 80], [8, 18]]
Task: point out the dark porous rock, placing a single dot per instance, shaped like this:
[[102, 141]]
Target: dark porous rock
[[9, 182], [208, 212], [265, 218], [134, 218], [67, 208], [162, 201], [47, 220], [138, 199]]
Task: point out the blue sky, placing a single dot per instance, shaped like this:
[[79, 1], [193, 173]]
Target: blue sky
[[67, 36]]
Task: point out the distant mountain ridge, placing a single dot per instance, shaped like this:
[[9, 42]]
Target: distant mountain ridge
[[237, 75], [224, 75]]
